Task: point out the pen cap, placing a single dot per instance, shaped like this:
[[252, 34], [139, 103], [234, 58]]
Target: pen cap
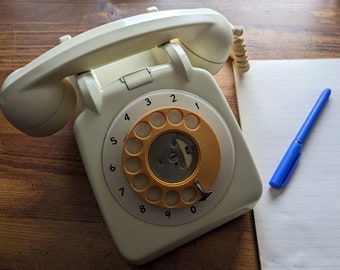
[[287, 165]]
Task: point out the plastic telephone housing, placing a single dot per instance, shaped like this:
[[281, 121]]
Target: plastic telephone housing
[[172, 73], [112, 78]]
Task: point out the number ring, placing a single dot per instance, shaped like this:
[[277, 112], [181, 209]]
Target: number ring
[[115, 143]]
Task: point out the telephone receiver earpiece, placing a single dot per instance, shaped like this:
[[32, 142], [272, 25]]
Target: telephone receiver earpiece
[[35, 99]]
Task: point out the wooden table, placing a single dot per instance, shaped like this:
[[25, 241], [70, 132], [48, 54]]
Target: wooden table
[[49, 218]]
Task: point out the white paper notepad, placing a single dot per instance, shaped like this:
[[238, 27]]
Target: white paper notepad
[[298, 227]]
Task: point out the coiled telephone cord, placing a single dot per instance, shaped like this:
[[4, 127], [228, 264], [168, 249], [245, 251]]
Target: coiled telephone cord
[[239, 52]]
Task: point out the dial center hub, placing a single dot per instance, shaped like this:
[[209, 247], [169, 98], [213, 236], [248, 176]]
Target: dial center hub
[[173, 157]]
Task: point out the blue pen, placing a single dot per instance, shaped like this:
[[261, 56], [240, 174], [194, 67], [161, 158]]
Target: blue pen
[[289, 161]]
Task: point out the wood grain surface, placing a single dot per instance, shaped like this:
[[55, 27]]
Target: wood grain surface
[[49, 218]]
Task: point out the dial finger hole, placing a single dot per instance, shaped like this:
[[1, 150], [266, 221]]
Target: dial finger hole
[[189, 194], [142, 130], [132, 164], [157, 119], [154, 194], [191, 121], [140, 182], [133, 146], [171, 198], [175, 117]]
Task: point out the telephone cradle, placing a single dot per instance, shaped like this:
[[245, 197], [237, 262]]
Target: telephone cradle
[[163, 152]]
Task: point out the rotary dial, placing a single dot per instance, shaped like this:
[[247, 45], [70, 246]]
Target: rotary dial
[[168, 157]]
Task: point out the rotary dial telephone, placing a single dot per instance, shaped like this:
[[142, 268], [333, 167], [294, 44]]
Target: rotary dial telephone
[[163, 152]]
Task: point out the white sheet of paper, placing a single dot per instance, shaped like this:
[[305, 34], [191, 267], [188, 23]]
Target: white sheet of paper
[[298, 227]]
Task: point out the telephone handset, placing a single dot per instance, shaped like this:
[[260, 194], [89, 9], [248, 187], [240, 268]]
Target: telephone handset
[[163, 152], [205, 34]]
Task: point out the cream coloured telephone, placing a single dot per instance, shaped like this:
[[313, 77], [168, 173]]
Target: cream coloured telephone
[[164, 154]]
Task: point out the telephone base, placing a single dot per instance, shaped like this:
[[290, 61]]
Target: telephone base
[[141, 229]]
